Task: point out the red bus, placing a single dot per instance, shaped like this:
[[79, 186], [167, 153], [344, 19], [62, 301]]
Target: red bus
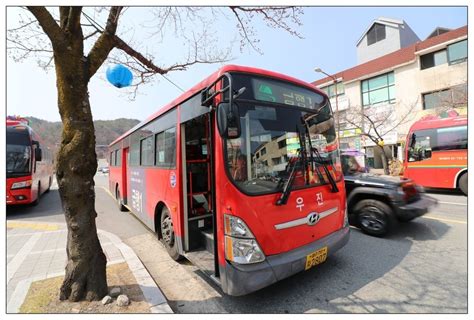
[[436, 153], [29, 165], [241, 175]]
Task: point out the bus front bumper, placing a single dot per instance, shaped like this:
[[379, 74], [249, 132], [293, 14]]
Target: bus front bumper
[[237, 280]]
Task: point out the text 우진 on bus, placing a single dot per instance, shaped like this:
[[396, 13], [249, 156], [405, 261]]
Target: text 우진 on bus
[[436, 153], [29, 164], [241, 175]]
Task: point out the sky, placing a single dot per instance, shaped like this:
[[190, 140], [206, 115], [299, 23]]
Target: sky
[[329, 42]]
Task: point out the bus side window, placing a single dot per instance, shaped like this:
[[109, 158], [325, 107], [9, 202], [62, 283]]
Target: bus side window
[[420, 146]]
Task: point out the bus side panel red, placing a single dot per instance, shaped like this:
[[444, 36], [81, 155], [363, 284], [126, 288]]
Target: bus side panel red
[[115, 178], [123, 171], [162, 185], [439, 171]]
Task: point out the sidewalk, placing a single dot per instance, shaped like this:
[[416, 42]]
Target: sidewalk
[[37, 251]]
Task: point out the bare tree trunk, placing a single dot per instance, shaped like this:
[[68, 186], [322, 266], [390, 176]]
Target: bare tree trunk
[[76, 165], [384, 160]]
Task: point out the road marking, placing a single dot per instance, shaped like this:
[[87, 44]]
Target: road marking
[[16, 262], [444, 220], [32, 233], [32, 225], [455, 203]]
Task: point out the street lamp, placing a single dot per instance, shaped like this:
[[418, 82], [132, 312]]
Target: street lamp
[[335, 88]]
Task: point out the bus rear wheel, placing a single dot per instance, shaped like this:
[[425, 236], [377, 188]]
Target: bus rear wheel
[[120, 203], [168, 237], [463, 183]]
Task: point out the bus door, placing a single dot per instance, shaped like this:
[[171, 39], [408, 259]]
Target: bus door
[[124, 169], [198, 193]]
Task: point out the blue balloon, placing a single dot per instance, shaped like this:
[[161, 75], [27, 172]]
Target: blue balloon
[[119, 76]]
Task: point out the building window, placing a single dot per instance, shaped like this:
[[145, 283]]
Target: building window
[[378, 89], [457, 52], [376, 33], [454, 53], [331, 89], [433, 59], [452, 97], [282, 144], [263, 151], [146, 151]]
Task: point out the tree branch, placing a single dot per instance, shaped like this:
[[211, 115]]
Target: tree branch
[[120, 44], [105, 43], [74, 19], [49, 25]]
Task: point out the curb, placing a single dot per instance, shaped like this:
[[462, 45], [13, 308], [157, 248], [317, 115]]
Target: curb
[[151, 292]]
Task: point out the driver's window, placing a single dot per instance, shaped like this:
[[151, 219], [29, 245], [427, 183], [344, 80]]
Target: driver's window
[[420, 146]]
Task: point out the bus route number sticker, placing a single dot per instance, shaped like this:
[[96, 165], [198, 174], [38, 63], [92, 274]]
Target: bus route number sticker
[[172, 179]]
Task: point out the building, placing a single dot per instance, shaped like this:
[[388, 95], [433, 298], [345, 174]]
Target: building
[[397, 85]]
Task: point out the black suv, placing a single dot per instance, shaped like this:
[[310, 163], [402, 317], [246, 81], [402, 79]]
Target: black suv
[[376, 203]]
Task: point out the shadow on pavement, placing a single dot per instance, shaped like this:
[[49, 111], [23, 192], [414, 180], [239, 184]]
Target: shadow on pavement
[[341, 276]]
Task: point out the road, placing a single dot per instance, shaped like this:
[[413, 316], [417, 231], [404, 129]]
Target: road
[[419, 268]]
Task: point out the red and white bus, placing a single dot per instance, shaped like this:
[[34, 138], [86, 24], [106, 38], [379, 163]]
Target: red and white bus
[[436, 153], [241, 175], [29, 165]]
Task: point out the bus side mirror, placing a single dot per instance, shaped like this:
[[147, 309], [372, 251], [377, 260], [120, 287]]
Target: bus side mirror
[[228, 120], [38, 154], [413, 140]]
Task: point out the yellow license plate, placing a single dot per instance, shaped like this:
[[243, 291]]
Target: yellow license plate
[[316, 257]]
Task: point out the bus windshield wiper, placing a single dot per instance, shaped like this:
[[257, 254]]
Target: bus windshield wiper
[[287, 187], [332, 182], [302, 161]]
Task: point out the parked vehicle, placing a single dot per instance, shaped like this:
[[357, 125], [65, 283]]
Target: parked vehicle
[[436, 153], [376, 203], [241, 175], [29, 164]]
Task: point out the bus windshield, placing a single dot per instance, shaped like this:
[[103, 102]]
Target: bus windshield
[[259, 161], [18, 153]]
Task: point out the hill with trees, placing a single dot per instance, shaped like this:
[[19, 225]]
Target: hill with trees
[[106, 131]]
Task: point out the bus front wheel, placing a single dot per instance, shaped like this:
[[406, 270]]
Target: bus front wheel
[[168, 237], [463, 183]]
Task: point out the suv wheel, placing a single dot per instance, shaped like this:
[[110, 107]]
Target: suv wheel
[[374, 217]]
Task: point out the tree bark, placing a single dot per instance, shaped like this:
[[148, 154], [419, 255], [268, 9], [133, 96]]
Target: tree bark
[[76, 166], [384, 160]]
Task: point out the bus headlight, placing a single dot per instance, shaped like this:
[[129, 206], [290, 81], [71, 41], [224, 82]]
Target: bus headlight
[[235, 227], [240, 243], [243, 251], [21, 184]]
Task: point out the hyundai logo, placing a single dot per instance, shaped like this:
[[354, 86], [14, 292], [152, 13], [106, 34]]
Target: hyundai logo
[[313, 218]]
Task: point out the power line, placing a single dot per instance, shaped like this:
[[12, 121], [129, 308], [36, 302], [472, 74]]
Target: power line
[[98, 26]]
